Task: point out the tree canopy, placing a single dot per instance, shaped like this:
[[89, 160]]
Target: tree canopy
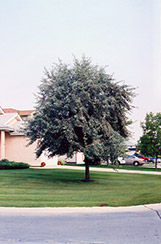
[[150, 142], [80, 108]]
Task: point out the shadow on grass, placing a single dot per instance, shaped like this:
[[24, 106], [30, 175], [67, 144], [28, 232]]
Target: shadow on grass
[[51, 176]]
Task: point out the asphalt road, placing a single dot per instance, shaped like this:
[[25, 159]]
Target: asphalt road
[[131, 225]]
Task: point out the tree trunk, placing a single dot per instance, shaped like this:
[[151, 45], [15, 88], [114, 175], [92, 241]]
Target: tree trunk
[[87, 178], [108, 163], [156, 162]]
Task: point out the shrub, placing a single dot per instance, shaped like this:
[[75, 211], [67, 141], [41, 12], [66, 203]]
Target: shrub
[[6, 164]]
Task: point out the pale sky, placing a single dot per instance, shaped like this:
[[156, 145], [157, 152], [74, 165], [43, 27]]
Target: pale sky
[[124, 35]]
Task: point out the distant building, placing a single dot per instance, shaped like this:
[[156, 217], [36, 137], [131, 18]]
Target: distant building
[[130, 148]]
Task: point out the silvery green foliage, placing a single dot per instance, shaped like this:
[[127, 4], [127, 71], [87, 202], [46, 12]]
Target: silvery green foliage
[[80, 108]]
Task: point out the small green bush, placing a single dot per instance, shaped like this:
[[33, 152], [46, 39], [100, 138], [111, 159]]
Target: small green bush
[[6, 164]]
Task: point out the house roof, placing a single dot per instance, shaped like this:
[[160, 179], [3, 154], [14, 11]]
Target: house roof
[[10, 110], [1, 111], [20, 112], [25, 112], [6, 118], [18, 127], [6, 128], [7, 122]]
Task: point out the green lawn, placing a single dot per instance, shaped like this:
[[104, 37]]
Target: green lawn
[[61, 188]]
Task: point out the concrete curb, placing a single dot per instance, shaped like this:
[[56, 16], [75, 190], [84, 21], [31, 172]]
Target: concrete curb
[[11, 211]]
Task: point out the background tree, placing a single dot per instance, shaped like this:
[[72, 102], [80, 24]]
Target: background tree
[[150, 143], [79, 108], [115, 147]]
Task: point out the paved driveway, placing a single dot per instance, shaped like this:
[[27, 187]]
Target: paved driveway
[[131, 225]]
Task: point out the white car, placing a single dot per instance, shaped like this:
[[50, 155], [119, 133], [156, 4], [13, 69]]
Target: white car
[[133, 160], [121, 160]]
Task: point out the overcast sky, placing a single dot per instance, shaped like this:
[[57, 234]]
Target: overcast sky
[[124, 35]]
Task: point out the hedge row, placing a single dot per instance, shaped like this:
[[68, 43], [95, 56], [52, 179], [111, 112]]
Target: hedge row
[[6, 164]]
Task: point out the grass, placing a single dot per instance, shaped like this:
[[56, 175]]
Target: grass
[[145, 167], [61, 188]]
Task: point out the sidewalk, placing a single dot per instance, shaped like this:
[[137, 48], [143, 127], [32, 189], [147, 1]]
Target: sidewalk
[[106, 170]]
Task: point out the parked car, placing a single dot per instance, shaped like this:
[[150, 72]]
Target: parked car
[[147, 159], [131, 160], [153, 159], [120, 160]]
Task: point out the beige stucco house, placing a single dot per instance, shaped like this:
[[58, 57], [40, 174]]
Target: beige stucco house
[[13, 143]]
